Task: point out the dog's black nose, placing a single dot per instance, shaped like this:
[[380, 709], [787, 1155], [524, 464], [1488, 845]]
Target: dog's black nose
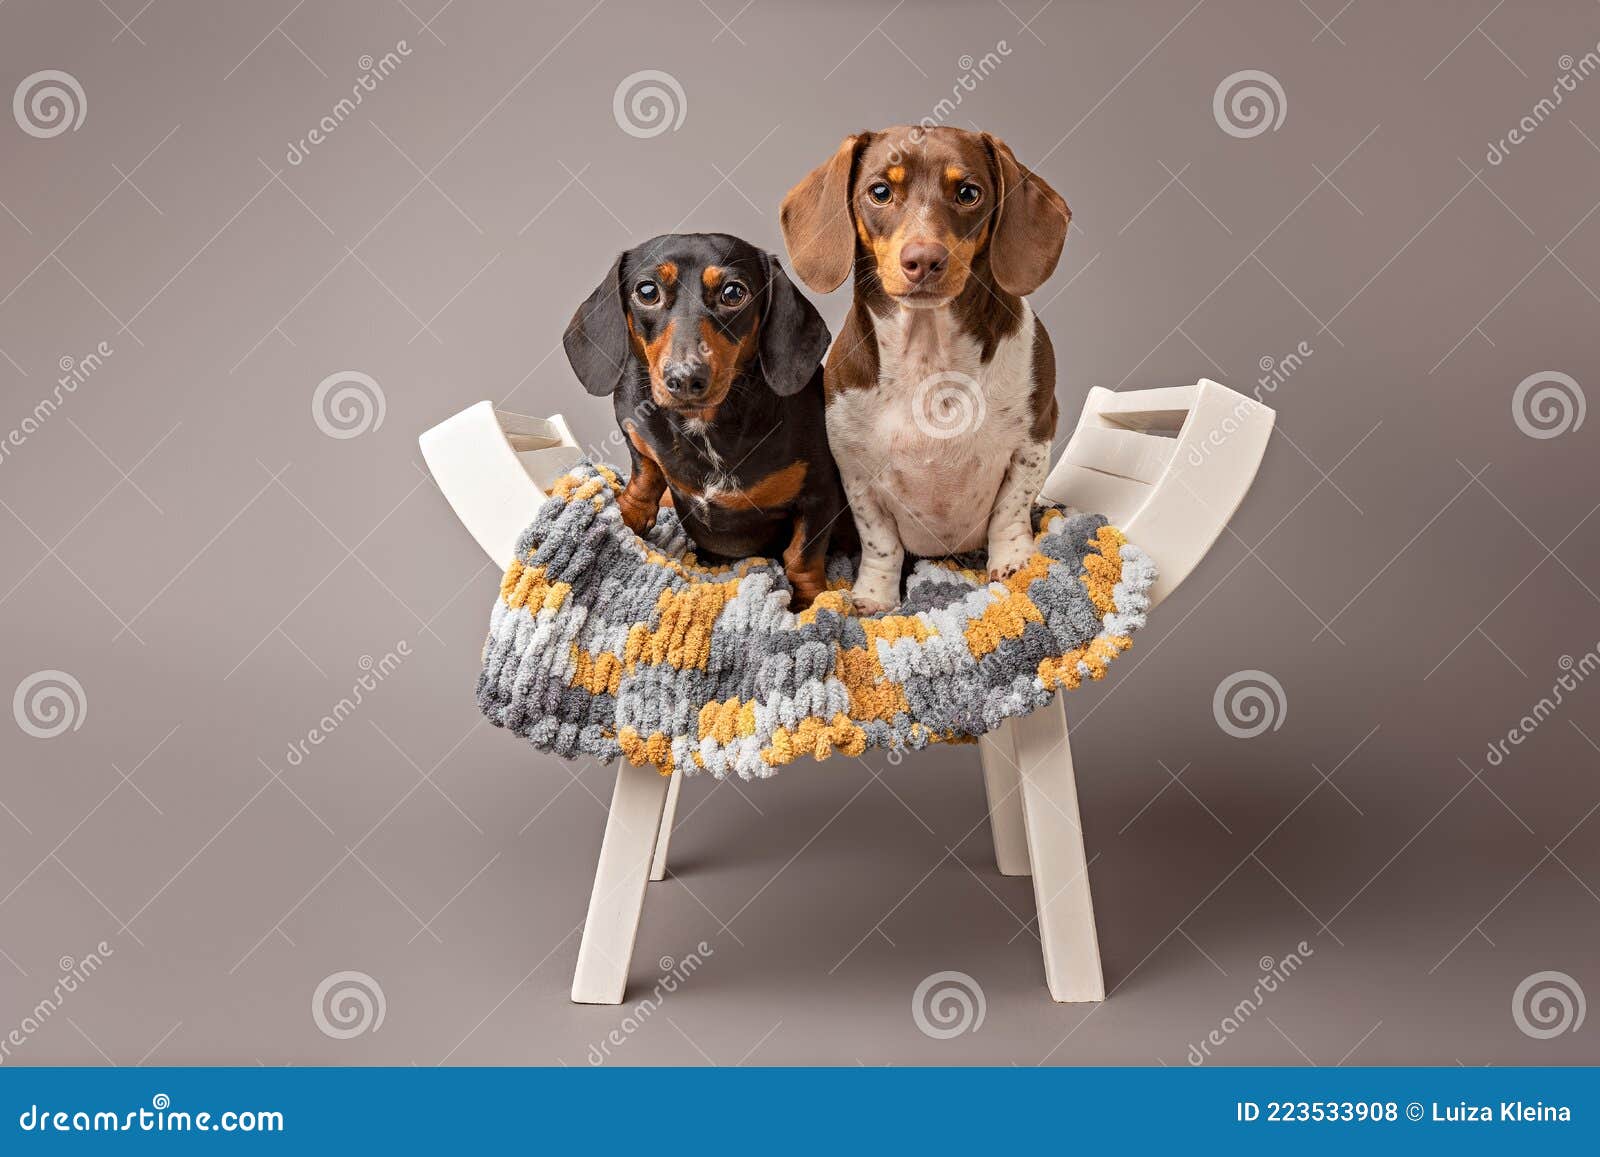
[[685, 381], [920, 259]]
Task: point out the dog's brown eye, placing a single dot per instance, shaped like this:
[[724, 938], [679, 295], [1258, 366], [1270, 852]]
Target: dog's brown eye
[[880, 192], [733, 293], [648, 292], [968, 194]]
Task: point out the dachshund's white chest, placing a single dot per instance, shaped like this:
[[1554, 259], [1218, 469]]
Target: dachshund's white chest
[[935, 436]]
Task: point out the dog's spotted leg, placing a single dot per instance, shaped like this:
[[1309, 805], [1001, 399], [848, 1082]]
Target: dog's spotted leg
[[1010, 528], [877, 585]]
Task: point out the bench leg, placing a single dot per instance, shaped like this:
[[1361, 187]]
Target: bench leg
[[658, 866], [1055, 844], [619, 885], [1002, 784]]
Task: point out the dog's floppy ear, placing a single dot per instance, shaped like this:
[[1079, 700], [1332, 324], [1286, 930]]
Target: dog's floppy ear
[[596, 340], [1030, 224], [818, 226], [793, 335]]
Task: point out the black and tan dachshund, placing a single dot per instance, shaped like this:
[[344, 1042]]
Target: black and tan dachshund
[[714, 361]]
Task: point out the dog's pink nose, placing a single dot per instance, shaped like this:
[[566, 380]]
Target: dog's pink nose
[[921, 259]]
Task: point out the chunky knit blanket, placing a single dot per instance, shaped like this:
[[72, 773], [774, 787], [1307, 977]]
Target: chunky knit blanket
[[604, 643]]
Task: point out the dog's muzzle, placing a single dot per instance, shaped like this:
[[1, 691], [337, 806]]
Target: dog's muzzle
[[686, 380]]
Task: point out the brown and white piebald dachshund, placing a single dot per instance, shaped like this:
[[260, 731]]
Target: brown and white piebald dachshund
[[941, 387], [713, 359]]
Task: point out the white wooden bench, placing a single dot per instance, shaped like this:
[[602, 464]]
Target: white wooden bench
[[1167, 466]]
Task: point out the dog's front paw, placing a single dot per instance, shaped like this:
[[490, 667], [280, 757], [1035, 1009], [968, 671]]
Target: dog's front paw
[[1007, 557], [638, 517], [801, 596], [873, 596]]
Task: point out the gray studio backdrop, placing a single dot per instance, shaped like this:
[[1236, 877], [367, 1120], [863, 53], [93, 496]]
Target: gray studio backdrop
[[207, 856]]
